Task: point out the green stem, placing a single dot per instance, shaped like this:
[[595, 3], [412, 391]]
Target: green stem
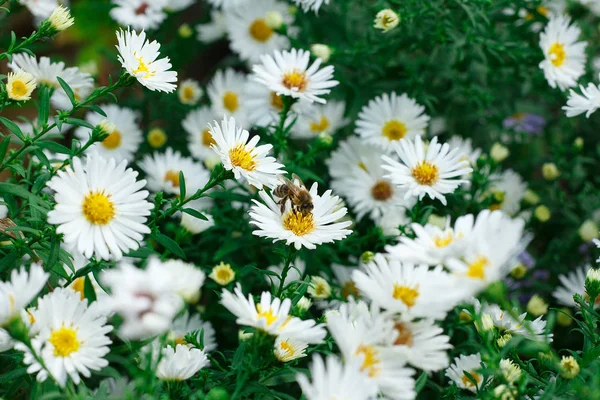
[[286, 267], [280, 135]]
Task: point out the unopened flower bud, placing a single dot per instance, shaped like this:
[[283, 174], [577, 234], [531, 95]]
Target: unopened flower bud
[[322, 51], [531, 197], [274, 19], [550, 171], [499, 152], [386, 20], [157, 138], [319, 288], [367, 257], [542, 213], [569, 367], [537, 306], [588, 231], [185, 31]]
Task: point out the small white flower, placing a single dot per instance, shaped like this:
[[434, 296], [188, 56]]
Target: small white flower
[[226, 92], [571, 284], [162, 170], [222, 273], [287, 73], [197, 225], [189, 92], [20, 85], [61, 19], [289, 349], [213, 30], [139, 14], [423, 343], [123, 142], [587, 102], [240, 154], [470, 364], [389, 118], [350, 154], [319, 288], [199, 137], [188, 323], [17, 293], [564, 57], [508, 189], [186, 279], [320, 118], [139, 57], [308, 230], [100, 207], [178, 5], [180, 364], [432, 172], [72, 338]]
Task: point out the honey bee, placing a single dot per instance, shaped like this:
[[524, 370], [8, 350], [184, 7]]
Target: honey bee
[[299, 197]]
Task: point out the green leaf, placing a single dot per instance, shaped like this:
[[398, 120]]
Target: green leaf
[[4, 147], [181, 186], [53, 146], [195, 213], [420, 384], [96, 109], [88, 290], [17, 191], [11, 126], [44, 107], [68, 90], [168, 244], [79, 122]]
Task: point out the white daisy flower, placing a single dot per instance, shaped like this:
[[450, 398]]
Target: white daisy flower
[[287, 73], [335, 380], [433, 245], [197, 225], [180, 364], [423, 344], [343, 277], [72, 338], [366, 339], [349, 155], [199, 137], [369, 192], [263, 106], [139, 14], [308, 230], [313, 5], [413, 291], [17, 293], [289, 349], [189, 92], [508, 189], [80, 82], [146, 299], [465, 145], [472, 365], [123, 142], [186, 279], [320, 118], [295, 273], [571, 284], [249, 33], [178, 5], [188, 323], [139, 58], [587, 102], [44, 71], [431, 173], [100, 207], [240, 154], [564, 57], [213, 30], [20, 85], [162, 170], [389, 118], [226, 94], [228, 4]]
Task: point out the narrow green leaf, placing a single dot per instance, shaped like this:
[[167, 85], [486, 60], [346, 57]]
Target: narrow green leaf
[[11, 126], [53, 146], [44, 107], [195, 213], [168, 244], [17, 191], [4, 147], [420, 384], [181, 186], [88, 290], [68, 90], [96, 109], [79, 122]]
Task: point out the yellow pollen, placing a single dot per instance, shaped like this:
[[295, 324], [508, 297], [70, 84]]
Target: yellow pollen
[[230, 101], [64, 341], [404, 335], [180, 340], [300, 224], [112, 141], [349, 289], [188, 93], [224, 274], [443, 240], [19, 89], [425, 173], [78, 286], [207, 139], [241, 157], [142, 67], [97, 208], [276, 101], [285, 346], [394, 130], [477, 268], [543, 10], [157, 137], [406, 294], [370, 362], [260, 31], [362, 166], [558, 54], [467, 381], [382, 191], [268, 315], [295, 80], [11, 302], [173, 177], [321, 126], [31, 317]]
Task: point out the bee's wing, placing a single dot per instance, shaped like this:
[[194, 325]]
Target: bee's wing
[[285, 181], [297, 178]]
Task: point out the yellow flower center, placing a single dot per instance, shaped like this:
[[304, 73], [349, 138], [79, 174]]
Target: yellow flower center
[[349, 289], [406, 294], [78, 286], [477, 268], [64, 341], [112, 141], [180, 340], [19, 89], [557, 54], [394, 130], [224, 274], [382, 191], [425, 173], [241, 157], [362, 166], [97, 208], [443, 240], [260, 31], [188, 93], [404, 335], [268, 314], [370, 361], [300, 224], [207, 139], [295, 80], [231, 101], [142, 67], [285, 346], [467, 381], [543, 10], [276, 101], [157, 138], [321, 126], [173, 177]]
